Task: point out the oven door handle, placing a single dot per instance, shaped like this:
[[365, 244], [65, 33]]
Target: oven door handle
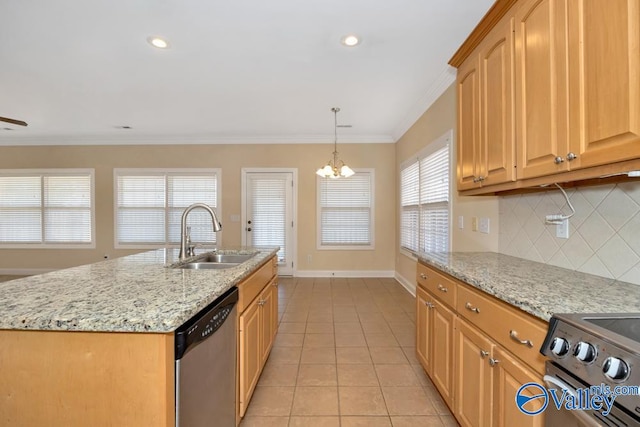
[[584, 417]]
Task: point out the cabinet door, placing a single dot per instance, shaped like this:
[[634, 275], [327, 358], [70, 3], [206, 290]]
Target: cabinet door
[[442, 351], [508, 376], [541, 87], [468, 147], [250, 353], [268, 301], [497, 139], [474, 381], [423, 328], [604, 85]]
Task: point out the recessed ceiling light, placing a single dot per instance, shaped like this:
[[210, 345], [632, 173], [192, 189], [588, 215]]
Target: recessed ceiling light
[[123, 127], [350, 40], [158, 42]]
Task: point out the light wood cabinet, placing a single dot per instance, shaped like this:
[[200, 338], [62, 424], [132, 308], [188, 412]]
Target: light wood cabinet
[[575, 87], [488, 378], [541, 87], [434, 340], [604, 87], [257, 324], [508, 375], [485, 112], [474, 382], [477, 350]]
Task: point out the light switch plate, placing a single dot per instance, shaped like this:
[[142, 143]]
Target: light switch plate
[[474, 223], [461, 222], [483, 225]]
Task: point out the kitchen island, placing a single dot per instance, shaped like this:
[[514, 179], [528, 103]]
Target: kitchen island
[[94, 345]]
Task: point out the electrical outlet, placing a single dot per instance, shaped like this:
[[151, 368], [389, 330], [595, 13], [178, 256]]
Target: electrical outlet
[[562, 229], [474, 223], [483, 225], [461, 222]]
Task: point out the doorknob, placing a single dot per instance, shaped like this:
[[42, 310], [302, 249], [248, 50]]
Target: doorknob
[[249, 229]]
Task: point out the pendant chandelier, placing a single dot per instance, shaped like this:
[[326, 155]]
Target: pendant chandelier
[[335, 168]]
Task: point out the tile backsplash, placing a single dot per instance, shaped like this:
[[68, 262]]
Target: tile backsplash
[[604, 233]]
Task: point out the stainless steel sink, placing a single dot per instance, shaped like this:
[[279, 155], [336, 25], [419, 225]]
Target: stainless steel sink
[[208, 265], [217, 261], [225, 258]]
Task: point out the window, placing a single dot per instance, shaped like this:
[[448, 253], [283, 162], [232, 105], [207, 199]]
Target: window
[[424, 199], [149, 206], [47, 208], [345, 211]]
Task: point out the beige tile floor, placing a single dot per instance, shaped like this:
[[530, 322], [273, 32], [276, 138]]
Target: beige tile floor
[[344, 356]]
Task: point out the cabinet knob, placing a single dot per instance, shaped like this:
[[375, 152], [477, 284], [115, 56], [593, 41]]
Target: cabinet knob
[[493, 362], [469, 307], [428, 304], [483, 354], [423, 276], [571, 156], [442, 288], [478, 179], [558, 160], [514, 336]]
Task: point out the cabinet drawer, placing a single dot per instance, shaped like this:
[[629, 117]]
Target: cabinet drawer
[[517, 331], [253, 285], [438, 284]]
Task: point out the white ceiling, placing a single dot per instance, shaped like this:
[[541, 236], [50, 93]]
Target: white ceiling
[[237, 71]]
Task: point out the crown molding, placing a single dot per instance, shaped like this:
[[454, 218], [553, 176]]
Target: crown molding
[[147, 139], [446, 77]]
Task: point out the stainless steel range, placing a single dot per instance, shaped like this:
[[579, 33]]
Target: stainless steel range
[[596, 359]]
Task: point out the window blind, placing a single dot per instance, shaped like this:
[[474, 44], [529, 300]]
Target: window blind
[[44, 208], [345, 217], [269, 213], [150, 204], [424, 200]]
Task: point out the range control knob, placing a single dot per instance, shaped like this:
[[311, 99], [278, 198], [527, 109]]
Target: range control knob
[[559, 346], [585, 352], [615, 369]]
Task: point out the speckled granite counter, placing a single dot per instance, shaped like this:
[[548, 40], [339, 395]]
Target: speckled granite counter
[[136, 293], [537, 288]]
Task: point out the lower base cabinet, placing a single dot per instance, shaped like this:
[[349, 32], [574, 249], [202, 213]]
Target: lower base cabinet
[[258, 324], [478, 351], [488, 379]]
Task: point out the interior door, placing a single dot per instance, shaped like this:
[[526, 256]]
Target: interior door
[[268, 214]]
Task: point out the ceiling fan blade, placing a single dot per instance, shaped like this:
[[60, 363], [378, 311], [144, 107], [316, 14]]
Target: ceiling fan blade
[[13, 121]]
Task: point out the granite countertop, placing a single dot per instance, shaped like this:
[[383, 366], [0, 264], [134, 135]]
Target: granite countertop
[[136, 293], [539, 289]]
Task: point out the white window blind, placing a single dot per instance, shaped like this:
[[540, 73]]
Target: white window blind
[[149, 206], [269, 213], [46, 208], [424, 199], [346, 211]]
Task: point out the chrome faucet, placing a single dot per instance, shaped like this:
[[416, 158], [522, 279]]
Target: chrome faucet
[[217, 226]]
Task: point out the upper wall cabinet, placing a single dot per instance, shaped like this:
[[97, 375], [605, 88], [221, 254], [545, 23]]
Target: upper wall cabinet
[[548, 91], [485, 112], [604, 81], [541, 87]]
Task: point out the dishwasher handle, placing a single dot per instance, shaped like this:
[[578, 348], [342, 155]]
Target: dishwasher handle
[[204, 324]]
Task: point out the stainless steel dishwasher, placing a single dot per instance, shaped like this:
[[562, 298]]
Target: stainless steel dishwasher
[[205, 353]]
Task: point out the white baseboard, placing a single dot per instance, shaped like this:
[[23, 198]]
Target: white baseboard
[[24, 271], [409, 286], [346, 273]]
